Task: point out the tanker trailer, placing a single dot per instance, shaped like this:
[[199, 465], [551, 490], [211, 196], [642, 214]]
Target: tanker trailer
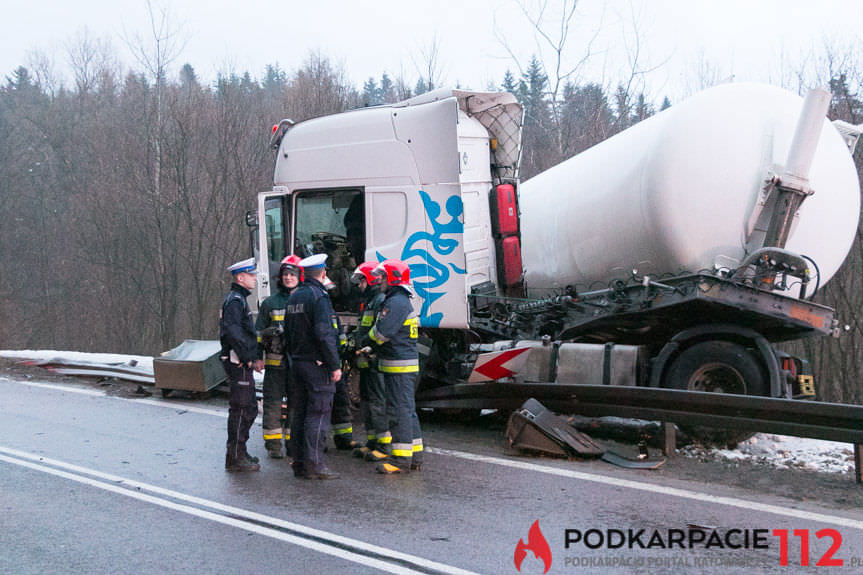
[[695, 236], [677, 193]]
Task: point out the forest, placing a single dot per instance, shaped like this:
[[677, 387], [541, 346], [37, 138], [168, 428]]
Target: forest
[[123, 192]]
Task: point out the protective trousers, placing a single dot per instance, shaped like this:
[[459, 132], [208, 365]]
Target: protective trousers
[[407, 443], [275, 423], [342, 419], [312, 402], [242, 408], [373, 405]]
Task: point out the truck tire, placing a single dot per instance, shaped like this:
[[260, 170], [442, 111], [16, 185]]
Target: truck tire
[[718, 367]]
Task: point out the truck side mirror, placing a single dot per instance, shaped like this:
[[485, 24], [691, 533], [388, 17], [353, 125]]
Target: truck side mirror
[[252, 218]]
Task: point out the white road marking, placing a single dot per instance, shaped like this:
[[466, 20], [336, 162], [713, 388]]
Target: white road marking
[[653, 488], [584, 476], [97, 393], [316, 539]]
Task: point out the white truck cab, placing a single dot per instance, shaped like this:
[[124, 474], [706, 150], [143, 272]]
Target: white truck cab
[[408, 181]]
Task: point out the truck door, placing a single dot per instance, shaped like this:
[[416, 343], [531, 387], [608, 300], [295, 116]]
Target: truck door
[[332, 222], [274, 220]]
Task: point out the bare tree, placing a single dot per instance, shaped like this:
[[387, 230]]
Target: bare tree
[[428, 66]]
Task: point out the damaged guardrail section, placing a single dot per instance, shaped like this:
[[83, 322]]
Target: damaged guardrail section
[[800, 418]]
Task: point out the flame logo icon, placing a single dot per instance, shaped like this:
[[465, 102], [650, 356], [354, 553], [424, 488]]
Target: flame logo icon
[[535, 542]]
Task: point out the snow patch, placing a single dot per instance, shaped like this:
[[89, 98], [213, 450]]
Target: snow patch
[[784, 452]]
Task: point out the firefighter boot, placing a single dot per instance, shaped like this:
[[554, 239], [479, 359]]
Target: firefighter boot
[[371, 443], [379, 453], [360, 452], [344, 442], [274, 448], [417, 462], [394, 466]]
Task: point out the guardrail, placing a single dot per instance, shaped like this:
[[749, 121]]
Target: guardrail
[[800, 418]]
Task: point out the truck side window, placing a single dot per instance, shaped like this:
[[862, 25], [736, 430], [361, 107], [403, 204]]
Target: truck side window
[[332, 222]]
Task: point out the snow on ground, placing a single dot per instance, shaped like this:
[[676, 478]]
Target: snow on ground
[[143, 361], [779, 451], [785, 452]]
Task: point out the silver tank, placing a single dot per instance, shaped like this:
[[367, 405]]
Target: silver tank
[[675, 193]]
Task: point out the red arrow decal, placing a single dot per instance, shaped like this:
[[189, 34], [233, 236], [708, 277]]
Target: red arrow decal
[[493, 367]]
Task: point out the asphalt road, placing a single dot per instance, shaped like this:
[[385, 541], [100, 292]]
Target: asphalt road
[[108, 483]]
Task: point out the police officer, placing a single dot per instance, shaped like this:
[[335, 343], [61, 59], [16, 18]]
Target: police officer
[[312, 344], [239, 357], [372, 386], [394, 336], [270, 326]]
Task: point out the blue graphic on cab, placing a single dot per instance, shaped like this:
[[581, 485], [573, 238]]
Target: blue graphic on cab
[[428, 273]]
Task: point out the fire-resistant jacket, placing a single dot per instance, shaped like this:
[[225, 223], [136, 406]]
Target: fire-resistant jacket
[[236, 331], [395, 333], [373, 300], [271, 314], [310, 325]]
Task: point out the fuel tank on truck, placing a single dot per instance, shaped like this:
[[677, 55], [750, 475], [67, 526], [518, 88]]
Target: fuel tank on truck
[[675, 193]]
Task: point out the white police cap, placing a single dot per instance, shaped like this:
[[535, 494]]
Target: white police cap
[[247, 266], [315, 261]]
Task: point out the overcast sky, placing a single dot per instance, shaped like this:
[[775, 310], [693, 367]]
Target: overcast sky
[[476, 39]]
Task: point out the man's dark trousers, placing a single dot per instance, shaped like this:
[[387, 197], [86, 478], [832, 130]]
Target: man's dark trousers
[[242, 407], [312, 401]]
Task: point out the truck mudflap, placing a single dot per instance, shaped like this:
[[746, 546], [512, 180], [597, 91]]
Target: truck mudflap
[[535, 429]]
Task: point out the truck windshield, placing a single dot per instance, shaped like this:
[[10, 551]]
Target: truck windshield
[[332, 222]]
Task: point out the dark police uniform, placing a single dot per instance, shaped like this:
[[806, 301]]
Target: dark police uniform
[[271, 315], [395, 335], [312, 345], [239, 350]]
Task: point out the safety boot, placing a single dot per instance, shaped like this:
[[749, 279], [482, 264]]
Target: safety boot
[[241, 463], [322, 474], [344, 442], [360, 452], [274, 449], [391, 468], [376, 455]]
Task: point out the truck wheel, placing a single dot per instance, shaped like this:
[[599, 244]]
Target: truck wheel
[[718, 367]]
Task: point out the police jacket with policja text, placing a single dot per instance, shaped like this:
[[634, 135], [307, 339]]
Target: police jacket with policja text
[[236, 330], [310, 325]]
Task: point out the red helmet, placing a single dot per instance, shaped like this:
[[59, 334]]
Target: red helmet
[[292, 264], [366, 271], [396, 272]]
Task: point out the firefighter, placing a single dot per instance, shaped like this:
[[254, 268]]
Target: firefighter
[[239, 357], [316, 367], [394, 337], [270, 327], [372, 387], [342, 418]]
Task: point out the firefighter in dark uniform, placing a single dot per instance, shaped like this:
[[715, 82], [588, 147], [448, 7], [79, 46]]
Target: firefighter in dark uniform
[[394, 336], [240, 356], [373, 400], [342, 417], [312, 343], [270, 326]]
